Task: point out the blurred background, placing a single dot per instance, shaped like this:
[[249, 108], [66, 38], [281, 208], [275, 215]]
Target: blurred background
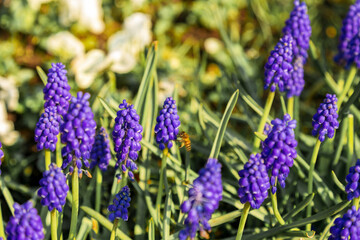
[[206, 50]]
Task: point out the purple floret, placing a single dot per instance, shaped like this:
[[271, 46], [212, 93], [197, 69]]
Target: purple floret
[[127, 135], [296, 83], [25, 224], [279, 150], [78, 132], [121, 203], [47, 129], [279, 65], [349, 30], [53, 189], [100, 152], [168, 123], [325, 120], [56, 91], [353, 182], [204, 198], [298, 26], [347, 227], [254, 182]]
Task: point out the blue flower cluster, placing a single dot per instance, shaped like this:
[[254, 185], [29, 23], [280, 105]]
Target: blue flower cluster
[[298, 26], [168, 123], [25, 224], [254, 182], [100, 152], [296, 83], [53, 189], [204, 198], [279, 150], [47, 129], [353, 182], [56, 91], [349, 30], [121, 203], [78, 132], [354, 54], [127, 136], [347, 227], [279, 65], [325, 120]]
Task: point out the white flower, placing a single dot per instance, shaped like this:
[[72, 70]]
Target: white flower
[[88, 14], [65, 44]]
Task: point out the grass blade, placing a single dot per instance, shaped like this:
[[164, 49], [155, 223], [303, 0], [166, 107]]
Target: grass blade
[[42, 75]]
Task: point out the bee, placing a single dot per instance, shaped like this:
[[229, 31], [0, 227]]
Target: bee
[[185, 141]]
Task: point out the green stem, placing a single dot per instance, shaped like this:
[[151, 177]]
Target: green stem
[[47, 159], [113, 232], [187, 166], [283, 104], [275, 208], [2, 232], [161, 182], [291, 107], [264, 117], [53, 225], [348, 84], [350, 149], [356, 202], [75, 203], [58, 152], [99, 179], [311, 176], [244, 214]]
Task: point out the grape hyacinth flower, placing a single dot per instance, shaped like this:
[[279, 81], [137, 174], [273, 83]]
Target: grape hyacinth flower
[[279, 150], [78, 132], [121, 203], [53, 189], [47, 129], [349, 30], [353, 182], [127, 136], [298, 26], [100, 152], [56, 91], [347, 227], [204, 198], [354, 54], [25, 224], [168, 123], [325, 120], [296, 83], [279, 65], [254, 182]]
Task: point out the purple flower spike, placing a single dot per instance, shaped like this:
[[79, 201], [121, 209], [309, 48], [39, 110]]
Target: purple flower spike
[[204, 198], [298, 26], [56, 91], [168, 123], [279, 150], [100, 152], [354, 55], [254, 182], [296, 83], [121, 203], [53, 189], [25, 224], [78, 132], [279, 65], [347, 227], [350, 29], [325, 120], [47, 129], [127, 136], [353, 182]]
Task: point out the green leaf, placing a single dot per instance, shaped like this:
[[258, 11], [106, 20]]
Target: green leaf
[[103, 221], [42, 75], [167, 216], [300, 234], [85, 228], [7, 195], [151, 229], [317, 217], [337, 181], [225, 218], [107, 107], [224, 121], [299, 207]]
